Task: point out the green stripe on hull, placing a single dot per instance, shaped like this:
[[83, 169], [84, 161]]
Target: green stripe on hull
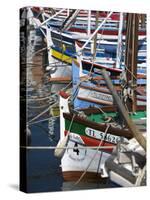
[[139, 115], [99, 118], [75, 128], [79, 128]]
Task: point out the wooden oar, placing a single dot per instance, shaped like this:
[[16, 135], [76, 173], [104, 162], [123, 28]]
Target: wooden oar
[[135, 132]]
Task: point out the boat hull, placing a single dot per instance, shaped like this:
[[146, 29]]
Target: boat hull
[[76, 161]]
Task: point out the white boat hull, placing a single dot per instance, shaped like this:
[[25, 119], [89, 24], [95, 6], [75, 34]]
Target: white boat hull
[[119, 180], [78, 160]]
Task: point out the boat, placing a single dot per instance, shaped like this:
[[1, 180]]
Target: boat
[[126, 165], [92, 91], [82, 26], [91, 134], [68, 39], [104, 48], [67, 57], [91, 127]]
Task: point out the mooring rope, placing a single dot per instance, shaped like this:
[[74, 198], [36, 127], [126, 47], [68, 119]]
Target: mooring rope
[[36, 122], [46, 110], [140, 177], [54, 147], [69, 129]]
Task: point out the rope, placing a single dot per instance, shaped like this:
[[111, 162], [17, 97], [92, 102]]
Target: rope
[[39, 51], [38, 99], [71, 124], [102, 111], [67, 85], [46, 110], [40, 106], [140, 177], [99, 162], [78, 181], [54, 147], [130, 72], [42, 120]]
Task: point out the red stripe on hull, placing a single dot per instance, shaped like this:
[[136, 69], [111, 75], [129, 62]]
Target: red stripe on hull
[[104, 32], [94, 142]]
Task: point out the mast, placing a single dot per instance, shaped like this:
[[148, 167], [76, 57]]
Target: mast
[[68, 12], [93, 34], [119, 45], [95, 37], [94, 43], [69, 20], [131, 50], [89, 23]]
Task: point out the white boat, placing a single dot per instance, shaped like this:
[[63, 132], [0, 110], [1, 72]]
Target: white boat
[[126, 165], [78, 158]]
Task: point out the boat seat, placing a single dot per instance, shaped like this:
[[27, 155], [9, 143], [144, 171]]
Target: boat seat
[[125, 158]]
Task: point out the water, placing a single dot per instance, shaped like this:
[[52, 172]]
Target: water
[[43, 168], [44, 173]]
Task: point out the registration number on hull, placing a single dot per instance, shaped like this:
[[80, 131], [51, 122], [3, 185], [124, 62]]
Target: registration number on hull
[[102, 136]]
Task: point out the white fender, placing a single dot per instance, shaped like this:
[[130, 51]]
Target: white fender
[[79, 59], [63, 106]]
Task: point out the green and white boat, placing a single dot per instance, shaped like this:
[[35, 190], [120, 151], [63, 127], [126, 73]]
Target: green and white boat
[[90, 136]]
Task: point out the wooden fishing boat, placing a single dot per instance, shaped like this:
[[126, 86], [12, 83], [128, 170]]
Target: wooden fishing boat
[[127, 165], [110, 28], [102, 128], [91, 90], [96, 129], [108, 48], [67, 57], [88, 129]]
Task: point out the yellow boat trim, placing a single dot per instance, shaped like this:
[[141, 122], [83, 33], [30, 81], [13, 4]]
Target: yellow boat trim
[[62, 57]]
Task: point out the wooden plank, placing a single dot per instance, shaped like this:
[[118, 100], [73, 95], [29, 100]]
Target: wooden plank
[[65, 79]]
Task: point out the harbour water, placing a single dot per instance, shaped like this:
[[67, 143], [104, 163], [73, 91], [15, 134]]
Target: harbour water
[[43, 168]]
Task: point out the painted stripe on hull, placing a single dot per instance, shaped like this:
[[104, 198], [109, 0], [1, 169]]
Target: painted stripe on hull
[[89, 176], [94, 142], [63, 57], [105, 32]]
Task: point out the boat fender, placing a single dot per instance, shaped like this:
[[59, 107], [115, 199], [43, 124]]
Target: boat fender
[[60, 148]]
